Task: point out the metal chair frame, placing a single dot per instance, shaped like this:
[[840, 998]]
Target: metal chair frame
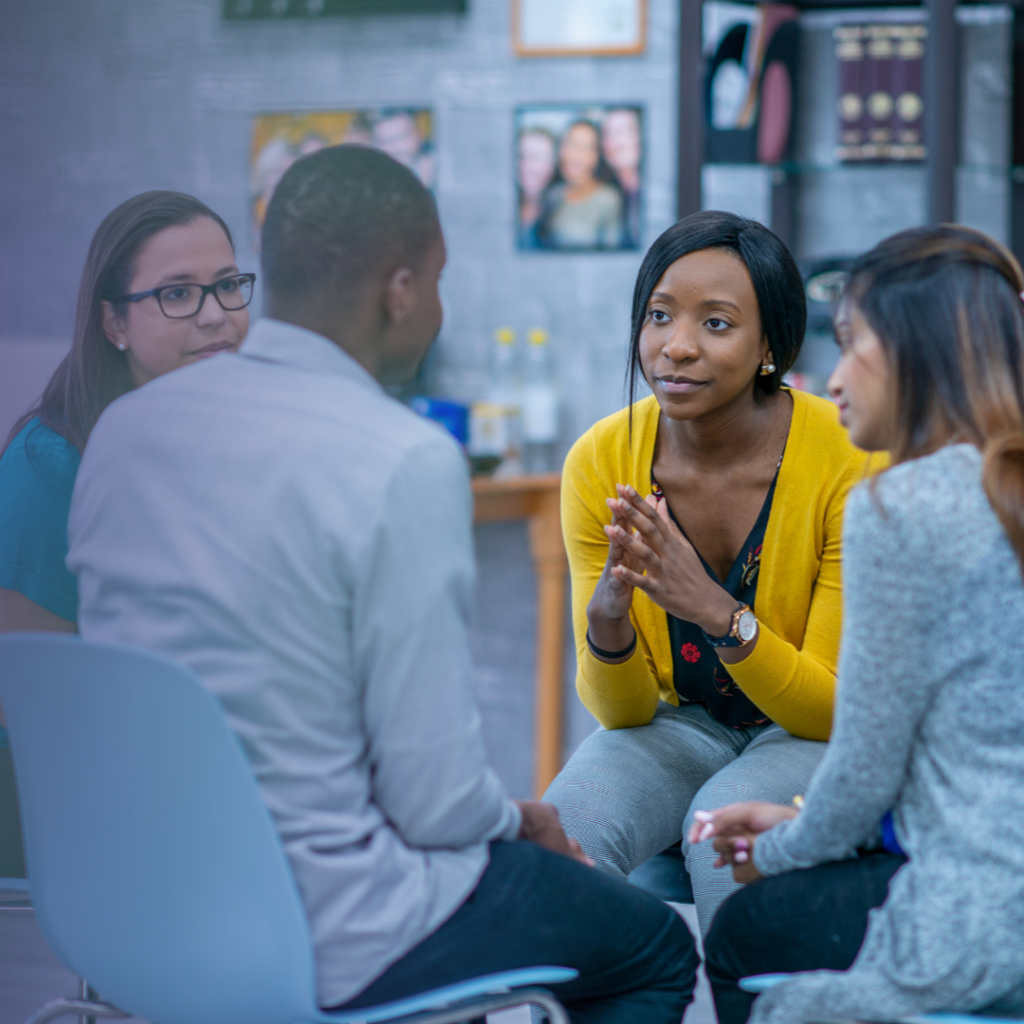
[[459, 1013]]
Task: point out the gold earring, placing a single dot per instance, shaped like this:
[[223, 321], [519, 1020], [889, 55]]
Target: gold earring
[[767, 369]]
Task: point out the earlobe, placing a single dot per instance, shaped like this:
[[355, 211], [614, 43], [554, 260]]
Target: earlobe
[[113, 328], [399, 295]]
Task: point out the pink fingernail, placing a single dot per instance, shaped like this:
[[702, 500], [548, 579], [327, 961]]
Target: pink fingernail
[[741, 858], [742, 844]]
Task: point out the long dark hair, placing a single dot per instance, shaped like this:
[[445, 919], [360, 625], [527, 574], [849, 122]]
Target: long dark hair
[[773, 273], [602, 173], [946, 306], [94, 372]]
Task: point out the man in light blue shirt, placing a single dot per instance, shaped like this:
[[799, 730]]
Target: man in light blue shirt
[[303, 542]]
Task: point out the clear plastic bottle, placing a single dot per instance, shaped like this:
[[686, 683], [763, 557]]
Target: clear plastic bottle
[[539, 406], [503, 384], [494, 431]]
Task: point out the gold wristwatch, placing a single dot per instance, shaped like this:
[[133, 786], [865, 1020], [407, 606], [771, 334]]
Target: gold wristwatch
[[742, 630]]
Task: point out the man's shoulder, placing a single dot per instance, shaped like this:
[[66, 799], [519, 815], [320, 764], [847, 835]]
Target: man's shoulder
[[317, 413]]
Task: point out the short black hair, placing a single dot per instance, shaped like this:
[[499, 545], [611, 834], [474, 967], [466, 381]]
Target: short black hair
[[340, 215], [773, 273]]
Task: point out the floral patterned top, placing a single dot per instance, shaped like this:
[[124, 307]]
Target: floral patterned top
[[698, 674]]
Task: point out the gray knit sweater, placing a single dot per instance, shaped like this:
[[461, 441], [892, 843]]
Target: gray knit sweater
[[929, 721]]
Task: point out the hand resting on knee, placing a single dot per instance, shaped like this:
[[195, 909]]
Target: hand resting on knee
[[542, 826]]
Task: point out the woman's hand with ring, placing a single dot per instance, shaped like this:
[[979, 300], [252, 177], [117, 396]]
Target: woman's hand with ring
[[734, 830]]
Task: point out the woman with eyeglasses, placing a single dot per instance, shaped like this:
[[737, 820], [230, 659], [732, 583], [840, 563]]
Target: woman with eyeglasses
[[160, 290]]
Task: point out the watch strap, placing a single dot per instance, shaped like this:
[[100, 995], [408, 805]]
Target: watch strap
[[730, 639]]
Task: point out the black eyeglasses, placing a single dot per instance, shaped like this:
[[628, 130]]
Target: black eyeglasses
[[180, 301]]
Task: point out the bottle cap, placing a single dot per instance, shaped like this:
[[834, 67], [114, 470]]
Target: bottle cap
[[504, 336], [538, 336]]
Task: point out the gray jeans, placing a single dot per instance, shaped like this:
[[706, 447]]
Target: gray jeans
[[628, 794]]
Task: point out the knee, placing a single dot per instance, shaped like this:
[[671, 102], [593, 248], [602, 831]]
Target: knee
[[686, 946], [715, 793], [727, 938], [582, 775], [679, 953]]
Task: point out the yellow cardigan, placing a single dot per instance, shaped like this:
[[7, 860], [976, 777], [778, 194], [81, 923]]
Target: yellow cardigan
[[791, 673]]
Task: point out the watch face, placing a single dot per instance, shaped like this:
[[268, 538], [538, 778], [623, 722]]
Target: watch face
[[746, 627]]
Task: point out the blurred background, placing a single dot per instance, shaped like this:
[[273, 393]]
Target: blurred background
[[834, 124], [559, 137]]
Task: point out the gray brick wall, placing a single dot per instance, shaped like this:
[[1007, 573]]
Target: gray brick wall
[[101, 99]]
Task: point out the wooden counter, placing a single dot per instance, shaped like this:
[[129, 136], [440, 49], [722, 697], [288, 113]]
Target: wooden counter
[[535, 498]]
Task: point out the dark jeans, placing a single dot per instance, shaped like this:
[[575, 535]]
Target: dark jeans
[[802, 921], [636, 957]]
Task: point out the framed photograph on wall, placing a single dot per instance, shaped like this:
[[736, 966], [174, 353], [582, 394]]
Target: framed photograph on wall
[[278, 140], [579, 28], [579, 177]]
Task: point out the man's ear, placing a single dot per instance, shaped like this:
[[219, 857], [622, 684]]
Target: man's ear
[[113, 328], [400, 297]]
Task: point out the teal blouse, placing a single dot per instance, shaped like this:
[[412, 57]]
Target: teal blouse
[[37, 476]]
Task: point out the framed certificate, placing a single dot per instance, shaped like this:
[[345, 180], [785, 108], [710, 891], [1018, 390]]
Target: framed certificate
[[579, 28]]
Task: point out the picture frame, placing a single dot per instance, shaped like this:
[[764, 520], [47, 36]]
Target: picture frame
[[579, 177], [281, 137], [579, 28]]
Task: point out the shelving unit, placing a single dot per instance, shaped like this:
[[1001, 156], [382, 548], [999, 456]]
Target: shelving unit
[[973, 130], [945, 161]]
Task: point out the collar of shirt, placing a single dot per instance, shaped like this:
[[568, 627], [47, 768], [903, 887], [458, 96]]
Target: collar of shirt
[[276, 341]]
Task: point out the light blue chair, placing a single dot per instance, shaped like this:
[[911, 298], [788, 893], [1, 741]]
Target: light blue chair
[[762, 982], [156, 871]]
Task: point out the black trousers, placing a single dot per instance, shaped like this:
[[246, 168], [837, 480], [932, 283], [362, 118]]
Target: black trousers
[[801, 921], [636, 957]]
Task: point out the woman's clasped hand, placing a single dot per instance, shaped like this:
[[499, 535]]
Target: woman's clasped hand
[[648, 551]]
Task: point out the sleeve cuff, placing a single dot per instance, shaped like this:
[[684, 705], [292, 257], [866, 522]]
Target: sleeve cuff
[[771, 661], [770, 857], [13, 577], [619, 682]]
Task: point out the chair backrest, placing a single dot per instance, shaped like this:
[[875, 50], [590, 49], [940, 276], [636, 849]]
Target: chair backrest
[[155, 867]]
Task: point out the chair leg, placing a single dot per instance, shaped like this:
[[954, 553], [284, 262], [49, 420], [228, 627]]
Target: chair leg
[[87, 995], [475, 1008], [77, 1007], [554, 1009]]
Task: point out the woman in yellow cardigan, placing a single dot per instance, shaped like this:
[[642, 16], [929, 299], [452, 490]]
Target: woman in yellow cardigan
[[703, 527]]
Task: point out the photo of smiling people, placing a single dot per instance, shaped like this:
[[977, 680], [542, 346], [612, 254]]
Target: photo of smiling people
[[578, 177], [278, 140]]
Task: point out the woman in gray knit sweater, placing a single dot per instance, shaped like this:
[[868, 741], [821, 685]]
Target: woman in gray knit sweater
[[929, 718]]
